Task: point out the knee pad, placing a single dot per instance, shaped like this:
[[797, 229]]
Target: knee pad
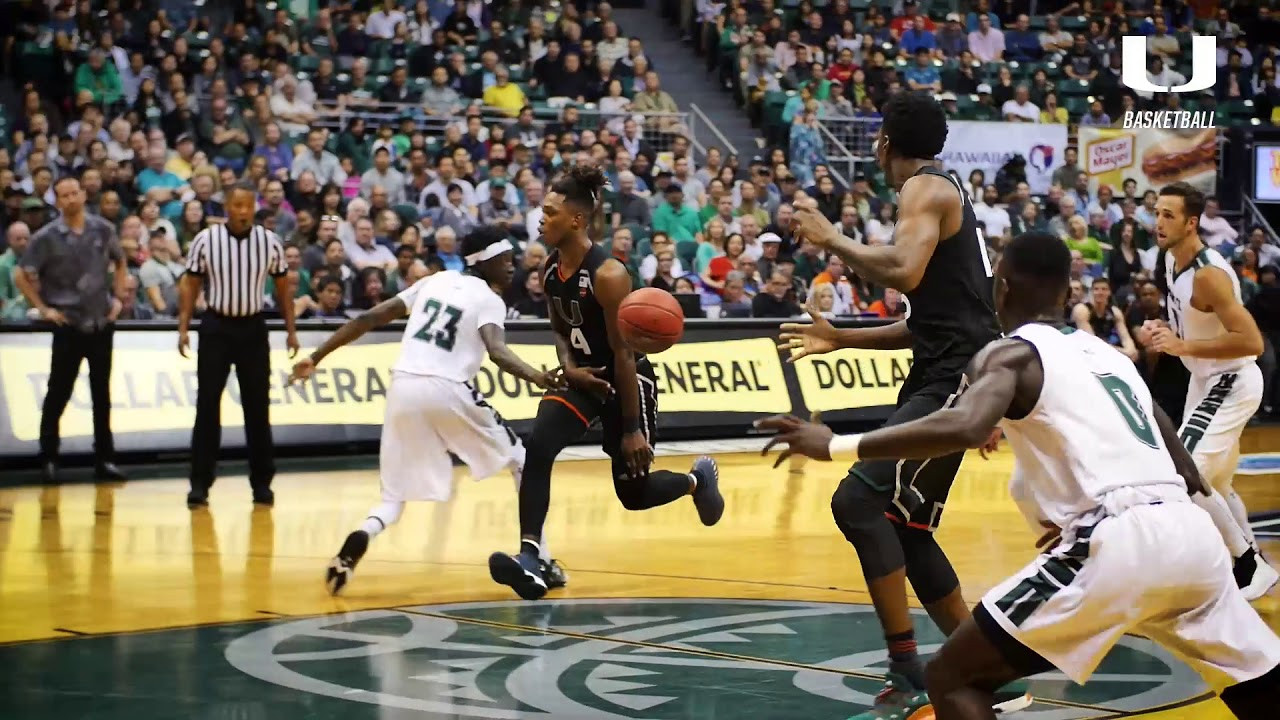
[[859, 513], [928, 568]]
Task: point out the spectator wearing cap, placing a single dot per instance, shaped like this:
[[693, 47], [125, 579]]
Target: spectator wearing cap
[[986, 43], [770, 244], [496, 210], [673, 217], [384, 176], [985, 108], [63, 275], [951, 38]]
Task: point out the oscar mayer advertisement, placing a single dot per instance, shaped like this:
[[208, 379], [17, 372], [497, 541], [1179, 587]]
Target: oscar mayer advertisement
[[1153, 158]]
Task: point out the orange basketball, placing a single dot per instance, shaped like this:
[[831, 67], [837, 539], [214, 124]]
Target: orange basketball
[[650, 320]]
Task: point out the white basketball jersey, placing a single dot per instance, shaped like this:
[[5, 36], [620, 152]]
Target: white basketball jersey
[[442, 336], [1192, 324], [1092, 430]]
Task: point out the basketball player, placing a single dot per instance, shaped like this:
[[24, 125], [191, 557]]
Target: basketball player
[[1101, 465], [432, 409], [1219, 343], [886, 508], [607, 382]]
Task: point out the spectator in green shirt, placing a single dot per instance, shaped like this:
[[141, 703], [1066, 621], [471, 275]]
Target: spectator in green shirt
[[100, 78], [13, 306], [675, 218], [1078, 238]]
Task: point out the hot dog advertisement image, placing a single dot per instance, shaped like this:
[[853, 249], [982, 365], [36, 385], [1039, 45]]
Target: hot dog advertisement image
[[1153, 158]]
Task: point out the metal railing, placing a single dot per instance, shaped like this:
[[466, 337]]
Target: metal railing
[[840, 160], [702, 131], [658, 129], [1253, 217], [848, 142]]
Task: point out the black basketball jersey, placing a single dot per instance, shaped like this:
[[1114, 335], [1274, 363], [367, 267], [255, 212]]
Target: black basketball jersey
[[572, 299], [952, 310]]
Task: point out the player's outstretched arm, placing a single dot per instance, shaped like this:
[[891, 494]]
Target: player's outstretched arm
[[375, 317], [820, 336], [495, 343], [925, 202], [1213, 292], [1005, 372], [1182, 460], [613, 284]]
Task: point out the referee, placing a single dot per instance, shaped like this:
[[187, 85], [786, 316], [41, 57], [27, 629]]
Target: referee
[[231, 263]]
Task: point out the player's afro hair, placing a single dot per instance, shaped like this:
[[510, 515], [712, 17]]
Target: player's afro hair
[[915, 124], [481, 238]]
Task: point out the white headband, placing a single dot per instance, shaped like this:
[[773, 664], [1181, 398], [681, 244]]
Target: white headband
[[489, 252]]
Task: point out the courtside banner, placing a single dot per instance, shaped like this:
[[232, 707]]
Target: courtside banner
[[713, 384], [987, 146]]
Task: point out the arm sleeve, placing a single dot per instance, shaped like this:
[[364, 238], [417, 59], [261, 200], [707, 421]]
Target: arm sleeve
[[493, 311]]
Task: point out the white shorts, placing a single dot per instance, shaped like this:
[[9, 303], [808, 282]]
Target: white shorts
[[428, 418], [1157, 570], [1218, 408]]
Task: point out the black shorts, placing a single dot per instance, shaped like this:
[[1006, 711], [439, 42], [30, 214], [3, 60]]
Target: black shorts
[[608, 411], [916, 489]]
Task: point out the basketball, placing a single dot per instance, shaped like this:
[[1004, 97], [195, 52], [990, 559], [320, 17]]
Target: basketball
[[650, 320]]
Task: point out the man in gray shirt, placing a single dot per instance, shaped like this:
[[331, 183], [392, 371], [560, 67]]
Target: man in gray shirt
[[68, 261], [383, 174]]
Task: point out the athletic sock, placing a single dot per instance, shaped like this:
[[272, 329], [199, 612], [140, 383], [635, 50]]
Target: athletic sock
[[544, 553], [381, 518], [904, 658], [529, 547], [1241, 514]]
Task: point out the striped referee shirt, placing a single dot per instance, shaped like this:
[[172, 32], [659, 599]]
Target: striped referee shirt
[[235, 269]]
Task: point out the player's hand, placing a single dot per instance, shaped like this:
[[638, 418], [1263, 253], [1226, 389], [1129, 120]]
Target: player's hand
[[117, 307], [810, 224], [302, 370], [552, 379], [184, 342], [1167, 341], [809, 439], [292, 343], [637, 453], [589, 380], [805, 339], [53, 315], [992, 444], [1050, 539]]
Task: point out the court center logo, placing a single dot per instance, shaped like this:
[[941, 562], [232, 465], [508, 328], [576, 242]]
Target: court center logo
[[624, 659]]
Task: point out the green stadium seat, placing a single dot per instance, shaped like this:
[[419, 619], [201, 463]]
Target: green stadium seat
[[687, 251], [1070, 87]]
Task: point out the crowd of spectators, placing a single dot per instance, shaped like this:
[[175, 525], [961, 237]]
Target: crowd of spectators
[[378, 139]]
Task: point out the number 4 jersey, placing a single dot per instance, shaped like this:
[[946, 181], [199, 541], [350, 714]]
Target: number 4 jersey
[[442, 336], [572, 297], [1092, 431]]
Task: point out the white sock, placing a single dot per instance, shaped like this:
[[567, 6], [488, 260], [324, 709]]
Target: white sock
[[381, 518], [544, 553], [1241, 514], [1230, 530]]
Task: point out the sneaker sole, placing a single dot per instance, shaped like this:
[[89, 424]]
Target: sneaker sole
[[336, 577], [713, 487], [506, 571]]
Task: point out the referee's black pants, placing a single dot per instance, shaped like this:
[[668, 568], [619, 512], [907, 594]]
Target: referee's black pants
[[70, 346], [227, 341]]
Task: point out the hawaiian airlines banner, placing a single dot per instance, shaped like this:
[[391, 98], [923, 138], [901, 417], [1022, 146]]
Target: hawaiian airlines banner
[[987, 146]]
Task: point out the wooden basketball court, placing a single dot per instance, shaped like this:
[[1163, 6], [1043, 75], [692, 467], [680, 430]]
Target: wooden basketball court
[[118, 601]]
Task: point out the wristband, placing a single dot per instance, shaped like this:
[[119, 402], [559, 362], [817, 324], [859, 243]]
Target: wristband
[[630, 425], [842, 444]]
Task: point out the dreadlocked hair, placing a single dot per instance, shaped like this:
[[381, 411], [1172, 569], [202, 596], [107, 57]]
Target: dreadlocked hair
[[581, 185]]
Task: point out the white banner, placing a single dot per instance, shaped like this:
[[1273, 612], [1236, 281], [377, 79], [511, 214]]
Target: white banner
[[987, 146]]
